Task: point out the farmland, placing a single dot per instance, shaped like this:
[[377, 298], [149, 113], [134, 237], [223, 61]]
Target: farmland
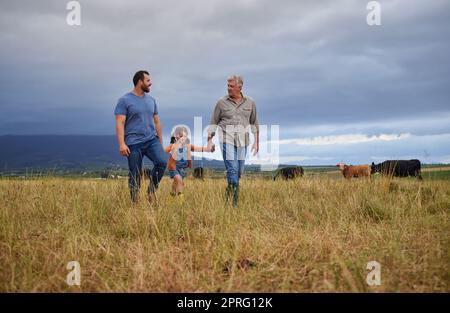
[[315, 233]]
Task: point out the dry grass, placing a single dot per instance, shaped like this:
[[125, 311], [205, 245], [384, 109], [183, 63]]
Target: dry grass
[[435, 168], [312, 234]]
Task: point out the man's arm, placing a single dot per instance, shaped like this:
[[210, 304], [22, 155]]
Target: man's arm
[[202, 149], [255, 128], [120, 133], [256, 145], [158, 127], [215, 119]]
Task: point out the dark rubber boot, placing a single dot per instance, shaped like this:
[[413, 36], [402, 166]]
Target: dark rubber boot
[[134, 193], [235, 194], [228, 192]]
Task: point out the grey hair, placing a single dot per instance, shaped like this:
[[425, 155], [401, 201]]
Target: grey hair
[[237, 78]]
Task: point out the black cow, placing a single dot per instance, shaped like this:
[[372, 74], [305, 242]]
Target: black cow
[[198, 173], [398, 168], [290, 172]]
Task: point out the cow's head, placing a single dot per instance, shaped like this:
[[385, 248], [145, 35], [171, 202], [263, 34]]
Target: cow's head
[[374, 168], [341, 166]]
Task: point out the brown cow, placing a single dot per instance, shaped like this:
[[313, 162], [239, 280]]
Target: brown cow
[[350, 171]]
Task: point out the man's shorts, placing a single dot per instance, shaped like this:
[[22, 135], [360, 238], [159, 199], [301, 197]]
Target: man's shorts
[[178, 171]]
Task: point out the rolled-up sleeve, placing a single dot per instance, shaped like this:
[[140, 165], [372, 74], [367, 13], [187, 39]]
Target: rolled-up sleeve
[[215, 119], [254, 119]]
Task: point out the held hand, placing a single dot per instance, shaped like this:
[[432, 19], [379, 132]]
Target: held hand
[[255, 149], [213, 148], [124, 150]]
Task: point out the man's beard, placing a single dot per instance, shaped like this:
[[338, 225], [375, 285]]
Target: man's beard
[[146, 89]]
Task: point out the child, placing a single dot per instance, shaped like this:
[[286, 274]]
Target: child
[[180, 158]]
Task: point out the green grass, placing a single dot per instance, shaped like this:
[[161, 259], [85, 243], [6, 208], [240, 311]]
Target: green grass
[[440, 175]]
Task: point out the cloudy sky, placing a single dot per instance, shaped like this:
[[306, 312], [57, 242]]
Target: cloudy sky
[[339, 89]]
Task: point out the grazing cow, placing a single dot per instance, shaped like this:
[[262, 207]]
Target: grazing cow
[[350, 171], [290, 172], [398, 168], [198, 173]]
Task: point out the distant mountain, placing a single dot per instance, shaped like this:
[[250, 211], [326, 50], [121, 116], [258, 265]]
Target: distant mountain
[[66, 152]]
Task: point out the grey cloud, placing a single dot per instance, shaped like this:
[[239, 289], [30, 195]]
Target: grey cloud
[[305, 62]]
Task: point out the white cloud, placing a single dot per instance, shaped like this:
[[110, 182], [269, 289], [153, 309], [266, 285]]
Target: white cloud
[[306, 63], [288, 159], [431, 123], [342, 139], [445, 159]]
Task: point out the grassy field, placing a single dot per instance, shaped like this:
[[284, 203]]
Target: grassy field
[[443, 174], [316, 233]]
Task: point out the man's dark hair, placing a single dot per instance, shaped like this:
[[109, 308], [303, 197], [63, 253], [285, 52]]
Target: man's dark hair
[[138, 76]]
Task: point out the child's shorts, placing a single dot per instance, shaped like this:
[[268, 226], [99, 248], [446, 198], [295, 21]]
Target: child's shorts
[[178, 171]]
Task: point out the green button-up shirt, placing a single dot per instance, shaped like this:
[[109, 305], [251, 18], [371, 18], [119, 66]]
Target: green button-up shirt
[[235, 120]]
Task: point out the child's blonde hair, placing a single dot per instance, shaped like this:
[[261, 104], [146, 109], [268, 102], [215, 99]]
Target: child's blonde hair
[[179, 131]]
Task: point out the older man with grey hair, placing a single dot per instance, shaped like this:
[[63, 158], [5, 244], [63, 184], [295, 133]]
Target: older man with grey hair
[[235, 116]]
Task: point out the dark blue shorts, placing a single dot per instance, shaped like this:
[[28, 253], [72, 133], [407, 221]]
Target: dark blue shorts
[[178, 171]]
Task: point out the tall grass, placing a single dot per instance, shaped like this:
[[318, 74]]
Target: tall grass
[[311, 234]]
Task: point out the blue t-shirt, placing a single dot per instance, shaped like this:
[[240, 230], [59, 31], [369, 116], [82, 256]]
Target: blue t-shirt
[[139, 124]]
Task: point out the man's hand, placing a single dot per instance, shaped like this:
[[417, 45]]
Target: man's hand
[[210, 148], [124, 150], [255, 148]]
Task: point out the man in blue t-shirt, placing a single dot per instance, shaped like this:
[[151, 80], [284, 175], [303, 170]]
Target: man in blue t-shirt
[[138, 130]]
